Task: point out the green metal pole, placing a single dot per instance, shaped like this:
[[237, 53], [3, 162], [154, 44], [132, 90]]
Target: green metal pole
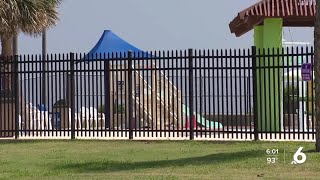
[[268, 90]]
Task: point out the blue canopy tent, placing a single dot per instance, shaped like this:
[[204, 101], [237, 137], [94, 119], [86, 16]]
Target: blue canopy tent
[[111, 43]]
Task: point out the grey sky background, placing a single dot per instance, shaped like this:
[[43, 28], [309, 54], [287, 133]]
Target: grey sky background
[[150, 25]]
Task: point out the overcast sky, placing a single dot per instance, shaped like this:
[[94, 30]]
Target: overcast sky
[[150, 25]]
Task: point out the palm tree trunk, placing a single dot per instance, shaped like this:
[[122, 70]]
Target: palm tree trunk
[[317, 73], [44, 68], [6, 44], [15, 45], [6, 52]]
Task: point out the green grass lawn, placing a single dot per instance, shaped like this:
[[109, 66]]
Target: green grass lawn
[[152, 160]]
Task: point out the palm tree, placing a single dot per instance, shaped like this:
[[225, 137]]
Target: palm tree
[[317, 73], [27, 16]]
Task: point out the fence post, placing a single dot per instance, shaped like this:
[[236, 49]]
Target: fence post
[[190, 68], [107, 93], [16, 96], [255, 88], [130, 94], [72, 94]]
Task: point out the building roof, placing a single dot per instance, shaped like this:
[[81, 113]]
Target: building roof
[[295, 13]]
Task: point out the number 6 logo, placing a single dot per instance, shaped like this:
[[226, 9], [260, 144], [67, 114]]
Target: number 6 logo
[[298, 154]]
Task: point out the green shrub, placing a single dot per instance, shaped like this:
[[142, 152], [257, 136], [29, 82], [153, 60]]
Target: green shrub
[[117, 109], [101, 109]]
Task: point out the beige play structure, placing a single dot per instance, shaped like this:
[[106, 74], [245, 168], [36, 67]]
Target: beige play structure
[[156, 104]]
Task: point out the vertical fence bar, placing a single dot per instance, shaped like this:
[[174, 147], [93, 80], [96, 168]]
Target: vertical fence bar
[[162, 94], [297, 124], [275, 90], [20, 69], [50, 91], [113, 90], [196, 74], [167, 78], [280, 83], [116, 93], [136, 102], [207, 93], [255, 102], [44, 87], [88, 97], [230, 93], [190, 57], [49, 101], [92, 95], [72, 95], [225, 110], [16, 95], [195, 89], [130, 94], [120, 93], [247, 93], [201, 91], [107, 93], [102, 85], [37, 89], [211, 101], [24, 92], [123, 93], [236, 72], [215, 87], [183, 74], [56, 90], [153, 93], [313, 97], [157, 94], [76, 89], [142, 87], [303, 122], [239, 80], [286, 54], [269, 98]]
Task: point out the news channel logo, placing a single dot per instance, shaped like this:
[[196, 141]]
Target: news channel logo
[[273, 157], [299, 157]]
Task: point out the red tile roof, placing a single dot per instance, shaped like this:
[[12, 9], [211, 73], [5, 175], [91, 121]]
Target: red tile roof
[[294, 13]]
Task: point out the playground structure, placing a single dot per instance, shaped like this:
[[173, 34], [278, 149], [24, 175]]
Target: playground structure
[[149, 99], [157, 103]]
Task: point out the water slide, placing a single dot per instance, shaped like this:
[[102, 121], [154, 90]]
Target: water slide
[[198, 119], [159, 103], [167, 106]]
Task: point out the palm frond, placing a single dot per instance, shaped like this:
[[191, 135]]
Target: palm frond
[[28, 16]]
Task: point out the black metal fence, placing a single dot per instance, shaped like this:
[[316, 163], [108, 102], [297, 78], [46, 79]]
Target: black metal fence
[[192, 94]]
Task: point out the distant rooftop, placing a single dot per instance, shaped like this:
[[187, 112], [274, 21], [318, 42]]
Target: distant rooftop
[[295, 13]]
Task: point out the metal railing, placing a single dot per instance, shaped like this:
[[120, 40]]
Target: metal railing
[[247, 94]]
